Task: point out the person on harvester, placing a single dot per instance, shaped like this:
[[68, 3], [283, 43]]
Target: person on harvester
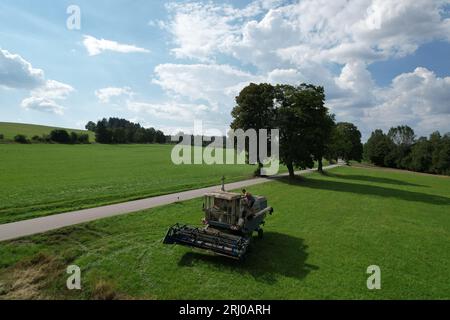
[[250, 199]]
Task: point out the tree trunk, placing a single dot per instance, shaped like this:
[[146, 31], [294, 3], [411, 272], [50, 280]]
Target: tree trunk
[[291, 170], [258, 171], [320, 166]]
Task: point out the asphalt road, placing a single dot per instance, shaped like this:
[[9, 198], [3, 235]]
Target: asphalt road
[[24, 228]]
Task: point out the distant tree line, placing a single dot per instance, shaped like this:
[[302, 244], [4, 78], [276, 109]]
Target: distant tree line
[[122, 131], [400, 149], [308, 131], [55, 136]]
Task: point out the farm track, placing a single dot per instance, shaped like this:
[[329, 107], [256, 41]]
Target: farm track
[[29, 227]]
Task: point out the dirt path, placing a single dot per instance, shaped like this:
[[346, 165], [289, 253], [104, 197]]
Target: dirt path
[[24, 228]]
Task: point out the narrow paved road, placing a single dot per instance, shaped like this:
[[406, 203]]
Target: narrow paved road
[[24, 228]]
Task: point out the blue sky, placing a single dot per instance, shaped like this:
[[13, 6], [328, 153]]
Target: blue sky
[[165, 64]]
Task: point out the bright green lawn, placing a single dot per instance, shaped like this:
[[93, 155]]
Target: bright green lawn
[[325, 232], [42, 179], [10, 130]]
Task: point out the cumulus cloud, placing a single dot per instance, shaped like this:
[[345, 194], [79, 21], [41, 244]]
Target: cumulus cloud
[[317, 41], [169, 110], [418, 98], [200, 29], [17, 73], [96, 46], [280, 36], [104, 95], [211, 82], [45, 98]]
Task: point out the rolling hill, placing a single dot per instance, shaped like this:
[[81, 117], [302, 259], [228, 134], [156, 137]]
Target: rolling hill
[[10, 130]]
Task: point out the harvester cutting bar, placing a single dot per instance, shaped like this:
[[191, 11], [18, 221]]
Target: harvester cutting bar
[[226, 244]]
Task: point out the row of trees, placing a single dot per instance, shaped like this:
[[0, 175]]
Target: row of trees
[[400, 149], [116, 130], [55, 136], [308, 131]]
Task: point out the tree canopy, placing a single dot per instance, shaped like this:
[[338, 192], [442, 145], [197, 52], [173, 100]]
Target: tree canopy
[[345, 143], [255, 110], [122, 131], [299, 112], [400, 149]]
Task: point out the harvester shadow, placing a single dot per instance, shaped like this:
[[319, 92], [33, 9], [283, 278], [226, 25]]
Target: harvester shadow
[[273, 256], [364, 189]]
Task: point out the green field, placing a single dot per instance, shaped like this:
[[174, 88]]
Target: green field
[[325, 232], [43, 179], [10, 130]]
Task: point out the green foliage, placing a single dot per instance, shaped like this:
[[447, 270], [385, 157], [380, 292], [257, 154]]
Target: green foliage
[[80, 138], [324, 233], [36, 138], [122, 131], [255, 110], [90, 126], [399, 149], [378, 147], [2, 136], [304, 123], [345, 143], [20, 138], [298, 111], [60, 136], [421, 156], [254, 107], [402, 135], [160, 137]]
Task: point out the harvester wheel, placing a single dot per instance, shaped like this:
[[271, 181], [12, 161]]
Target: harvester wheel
[[260, 233]]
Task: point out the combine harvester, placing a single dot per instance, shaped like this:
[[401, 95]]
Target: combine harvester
[[229, 225]]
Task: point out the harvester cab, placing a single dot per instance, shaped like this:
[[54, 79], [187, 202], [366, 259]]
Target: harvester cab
[[229, 224]]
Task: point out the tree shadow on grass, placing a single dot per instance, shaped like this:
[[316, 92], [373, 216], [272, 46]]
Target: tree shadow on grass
[[364, 189], [372, 179], [273, 256]]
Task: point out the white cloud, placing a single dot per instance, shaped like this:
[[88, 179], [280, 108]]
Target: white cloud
[[317, 30], [181, 112], [419, 98], [104, 95], [330, 43], [200, 30], [45, 98], [17, 73], [96, 46], [214, 83], [399, 27]]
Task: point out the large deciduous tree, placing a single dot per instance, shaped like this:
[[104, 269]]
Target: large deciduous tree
[[403, 138], [378, 147], [402, 135], [345, 143], [318, 121], [304, 123], [255, 110]]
